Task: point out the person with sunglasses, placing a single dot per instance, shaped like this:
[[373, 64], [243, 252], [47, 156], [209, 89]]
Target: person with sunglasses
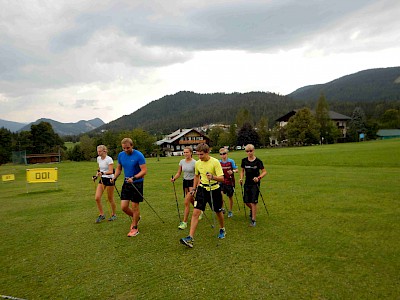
[[228, 185], [250, 168]]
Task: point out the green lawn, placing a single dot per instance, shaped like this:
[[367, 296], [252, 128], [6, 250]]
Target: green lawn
[[332, 232]]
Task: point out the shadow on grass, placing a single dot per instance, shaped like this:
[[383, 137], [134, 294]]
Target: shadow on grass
[[31, 193]]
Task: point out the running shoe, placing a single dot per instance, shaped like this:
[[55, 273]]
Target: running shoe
[[230, 214], [133, 232], [252, 223], [100, 218], [112, 218], [222, 233], [182, 225], [187, 241], [201, 215]]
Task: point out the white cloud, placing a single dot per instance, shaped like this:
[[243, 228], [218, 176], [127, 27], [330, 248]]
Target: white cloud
[[72, 60]]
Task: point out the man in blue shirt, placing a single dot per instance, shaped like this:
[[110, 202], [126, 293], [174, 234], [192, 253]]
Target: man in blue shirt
[[134, 165]]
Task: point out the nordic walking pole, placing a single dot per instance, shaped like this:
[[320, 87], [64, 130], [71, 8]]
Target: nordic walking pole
[[234, 191], [141, 195], [262, 198], [212, 203], [244, 205], [176, 199]]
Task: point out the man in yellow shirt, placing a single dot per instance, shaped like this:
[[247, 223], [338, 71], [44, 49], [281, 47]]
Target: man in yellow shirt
[[208, 174]]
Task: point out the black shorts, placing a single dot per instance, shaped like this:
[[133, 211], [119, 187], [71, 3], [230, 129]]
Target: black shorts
[[227, 189], [251, 192], [106, 181], [129, 192], [203, 197], [187, 183]]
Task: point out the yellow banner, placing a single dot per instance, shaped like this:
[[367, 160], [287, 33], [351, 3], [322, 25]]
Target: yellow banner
[[41, 175], [8, 177]]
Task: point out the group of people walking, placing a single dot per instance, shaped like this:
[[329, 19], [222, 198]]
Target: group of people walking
[[204, 182]]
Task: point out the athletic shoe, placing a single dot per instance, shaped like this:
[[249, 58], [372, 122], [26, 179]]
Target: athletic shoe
[[100, 218], [182, 225], [252, 224], [112, 218], [133, 232], [188, 241], [230, 214], [222, 233], [201, 215]]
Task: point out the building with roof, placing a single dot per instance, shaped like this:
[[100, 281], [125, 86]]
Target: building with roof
[[385, 134], [174, 143], [340, 120]]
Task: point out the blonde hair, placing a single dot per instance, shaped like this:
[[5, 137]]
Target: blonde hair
[[224, 149], [249, 147], [189, 148], [102, 147], [127, 141]]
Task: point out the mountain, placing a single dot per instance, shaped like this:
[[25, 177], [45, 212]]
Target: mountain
[[10, 125], [189, 109], [367, 85], [63, 129]]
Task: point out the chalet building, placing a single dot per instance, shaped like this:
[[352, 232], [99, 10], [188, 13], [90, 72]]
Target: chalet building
[[340, 120], [174, 143]]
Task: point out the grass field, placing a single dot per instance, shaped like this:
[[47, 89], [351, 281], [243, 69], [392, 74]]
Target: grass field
[[333, 232]]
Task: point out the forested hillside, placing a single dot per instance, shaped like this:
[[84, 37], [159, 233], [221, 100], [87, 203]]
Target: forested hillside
[[375, 91], [188, 109], [364, 86]]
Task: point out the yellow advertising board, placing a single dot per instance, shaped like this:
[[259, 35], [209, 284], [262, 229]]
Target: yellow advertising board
[[8, 177], [41, 175]]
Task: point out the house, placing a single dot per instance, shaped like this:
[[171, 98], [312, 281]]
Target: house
[[340, 120], [385, 134], [174, 143], [43, 158]]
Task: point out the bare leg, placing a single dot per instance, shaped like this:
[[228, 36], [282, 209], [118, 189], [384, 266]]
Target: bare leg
[[99, 193]]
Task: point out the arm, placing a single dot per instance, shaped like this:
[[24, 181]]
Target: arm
[[143, 171], [118, 171], [177, 175], [241, 176], [263, 173], [196, 182]]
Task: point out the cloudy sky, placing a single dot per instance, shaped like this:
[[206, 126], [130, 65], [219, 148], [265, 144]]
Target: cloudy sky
[[81, 59]]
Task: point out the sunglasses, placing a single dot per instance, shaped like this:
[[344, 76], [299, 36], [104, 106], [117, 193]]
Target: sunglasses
[[249, 150], [222, 153]]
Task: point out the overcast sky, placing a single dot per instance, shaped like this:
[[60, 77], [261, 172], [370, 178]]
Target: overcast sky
[[81, 59]]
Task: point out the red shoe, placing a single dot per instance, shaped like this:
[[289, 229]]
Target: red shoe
[[133, 232]]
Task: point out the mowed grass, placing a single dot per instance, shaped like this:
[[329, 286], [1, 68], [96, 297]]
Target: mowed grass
[[332, 232]]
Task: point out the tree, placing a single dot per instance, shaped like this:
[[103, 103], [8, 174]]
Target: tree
[[44, 138], [247, 135], [215, 135], [328, 130], [87, 147], [262, 130], [5, 145], [232, 135], [303, 128], [243, 116], [391, 119], [357, 124]]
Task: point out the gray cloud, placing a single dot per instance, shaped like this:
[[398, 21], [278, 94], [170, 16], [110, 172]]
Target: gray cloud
[[54, 45]]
